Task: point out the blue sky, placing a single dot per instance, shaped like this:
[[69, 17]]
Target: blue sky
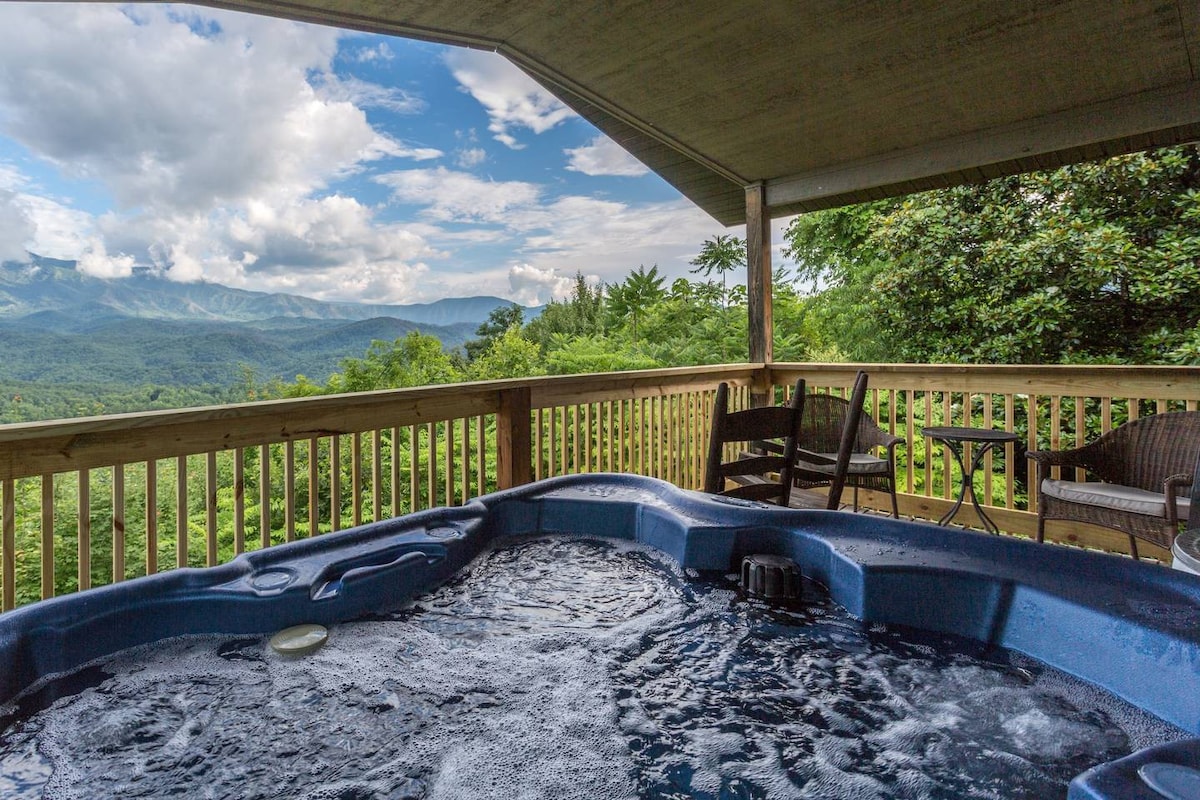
[[276, 156]]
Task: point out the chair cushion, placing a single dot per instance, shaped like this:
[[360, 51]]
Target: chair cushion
[[860, 464], [1114, 496]]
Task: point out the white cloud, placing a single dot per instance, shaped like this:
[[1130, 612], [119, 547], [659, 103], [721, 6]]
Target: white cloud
[[512, 99], [470, 157], [380, 52], [16, 228], [96, 261], [166, 117], [603, 156], [532, 285], [459, 196], [367, 95]]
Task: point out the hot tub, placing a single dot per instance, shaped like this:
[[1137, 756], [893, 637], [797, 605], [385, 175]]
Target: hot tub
[[1130, 628]]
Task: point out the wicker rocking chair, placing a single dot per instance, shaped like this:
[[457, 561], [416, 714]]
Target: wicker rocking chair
[[1145, 468], [764, 476]]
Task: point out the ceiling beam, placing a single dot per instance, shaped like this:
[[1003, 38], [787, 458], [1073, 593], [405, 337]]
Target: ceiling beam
[[1174, 107]]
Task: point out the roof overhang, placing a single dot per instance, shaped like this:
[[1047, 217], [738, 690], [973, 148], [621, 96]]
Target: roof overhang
[[831, 103]]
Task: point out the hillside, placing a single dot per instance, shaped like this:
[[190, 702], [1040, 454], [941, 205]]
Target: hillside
[[75, 344]]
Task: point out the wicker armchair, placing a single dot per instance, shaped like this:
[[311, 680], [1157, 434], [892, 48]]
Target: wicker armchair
[[1145, 468], [823, 432]]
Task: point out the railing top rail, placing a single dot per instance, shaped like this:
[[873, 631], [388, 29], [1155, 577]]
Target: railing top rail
[[37, 448], [1159, 382]]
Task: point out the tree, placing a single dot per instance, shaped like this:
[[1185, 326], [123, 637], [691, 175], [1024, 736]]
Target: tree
[[496, 325], [578, 315], [628, 301], [509, 355], [721, 254], [415, 360], [1091, 262]]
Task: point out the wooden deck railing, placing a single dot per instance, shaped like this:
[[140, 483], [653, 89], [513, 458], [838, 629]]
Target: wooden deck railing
[[102, 499]]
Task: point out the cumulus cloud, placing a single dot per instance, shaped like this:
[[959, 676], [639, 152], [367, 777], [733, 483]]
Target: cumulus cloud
[[531, 285], [459, 196], [16, 228], [174, 115], [512, 99], [603, 156], [96, 261]]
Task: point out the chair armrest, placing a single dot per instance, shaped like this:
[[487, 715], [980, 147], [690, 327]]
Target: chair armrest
[[1058, 458], [1171, 485], [813, 458], [890, 445], [1046, 459]]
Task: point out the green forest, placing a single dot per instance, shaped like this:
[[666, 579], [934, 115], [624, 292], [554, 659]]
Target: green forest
[[1095, 263]]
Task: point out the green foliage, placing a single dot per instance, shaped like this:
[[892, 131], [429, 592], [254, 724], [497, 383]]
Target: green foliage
[[629, 301], [582, 314], [1096, 262], [499, 321], [721, 254], [509, 355], [415, 360], [583, 354]]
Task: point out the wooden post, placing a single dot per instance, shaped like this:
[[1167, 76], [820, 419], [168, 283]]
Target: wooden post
[[514, 465], [758, 284]]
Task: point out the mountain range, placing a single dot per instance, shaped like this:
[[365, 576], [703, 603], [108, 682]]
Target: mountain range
[[58, 326], [48, 284]]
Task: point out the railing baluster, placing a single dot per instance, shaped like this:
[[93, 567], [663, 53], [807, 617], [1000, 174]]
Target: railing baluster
[[239, 501], [85, 529], [151, 517], [8, 545], [210, 508], [1031, 443], [118, 523], [448, 426], [431, 472], [465, 458], [314, 487], [377, 473], [181, 512], [1010, 468], [289, 491], [335, 483], [414, 470], [47, 536], [1080, 430], [264, 496], [481, 454], [988, 462], [356, 486], [538, 445], [397, 508], [948, 481]]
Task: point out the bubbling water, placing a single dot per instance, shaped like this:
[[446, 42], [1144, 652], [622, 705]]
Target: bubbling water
[[574, 668]]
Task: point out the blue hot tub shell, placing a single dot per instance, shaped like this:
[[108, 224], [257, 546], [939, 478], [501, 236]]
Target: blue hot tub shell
[[1129, 627]]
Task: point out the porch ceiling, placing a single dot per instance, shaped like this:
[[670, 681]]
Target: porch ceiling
[[833, 102]]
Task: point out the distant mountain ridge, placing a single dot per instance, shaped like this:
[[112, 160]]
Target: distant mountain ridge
[[60, 327], [52, 285]]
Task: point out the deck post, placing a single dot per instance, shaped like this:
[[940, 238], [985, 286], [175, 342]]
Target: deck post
[[758, 285], [514, 465]]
